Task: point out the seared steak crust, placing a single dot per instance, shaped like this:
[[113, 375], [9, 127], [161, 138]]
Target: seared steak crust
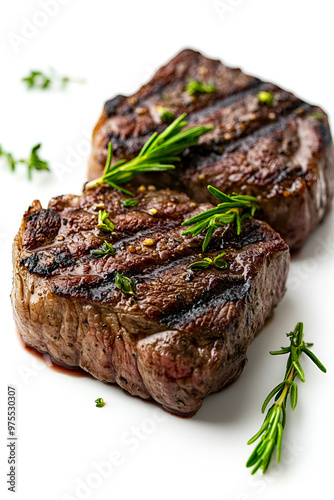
[[282, 153], [184, 334]]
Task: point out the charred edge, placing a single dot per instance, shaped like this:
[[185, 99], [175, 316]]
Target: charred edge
[[325, 134], [43, 214], [34, 263], [41, 226], [111, 106]]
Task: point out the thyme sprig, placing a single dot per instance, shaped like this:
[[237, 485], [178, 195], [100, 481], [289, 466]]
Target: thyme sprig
[[274, 422], [125, 284], [159, 153], [206, 263], [224, 213], [33, 162], [40, 80], [194, 87]]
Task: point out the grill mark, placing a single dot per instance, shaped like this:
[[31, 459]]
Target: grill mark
[[200, 162], [45, 264], [227, 101], [215, 103], [100, 288], [132, 145], [34, 263], [210, 300], [162, 227]]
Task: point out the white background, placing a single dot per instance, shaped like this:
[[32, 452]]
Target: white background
[[62, 437]]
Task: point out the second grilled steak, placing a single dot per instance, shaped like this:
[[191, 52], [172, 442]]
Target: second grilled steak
[[184, 334], [280, 152]]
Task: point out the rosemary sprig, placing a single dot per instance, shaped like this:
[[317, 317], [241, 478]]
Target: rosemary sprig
[[40, 80], [104, 223], [194, 87], [206, 263], [225, 213], [125, 284], [265, 98], [158, 154], [274, 422], [129, 203], [105, 249], [34, 162]]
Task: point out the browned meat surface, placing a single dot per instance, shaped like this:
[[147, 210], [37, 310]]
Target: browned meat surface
[[184, 334], [282, 153]]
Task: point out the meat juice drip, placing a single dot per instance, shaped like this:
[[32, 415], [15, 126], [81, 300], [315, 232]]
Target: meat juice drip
[[50, 362]]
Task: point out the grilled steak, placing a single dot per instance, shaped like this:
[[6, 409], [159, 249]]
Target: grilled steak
[[280, 152], [184, 334]]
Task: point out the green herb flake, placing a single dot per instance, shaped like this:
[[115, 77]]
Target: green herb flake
[[104, 223], [125, 284], [206, 263], [201, 264], [166, 115], [194, 87], [99, 403], [105, 249], [219, 262], [129, 203], [317, 116], [265, 98]]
